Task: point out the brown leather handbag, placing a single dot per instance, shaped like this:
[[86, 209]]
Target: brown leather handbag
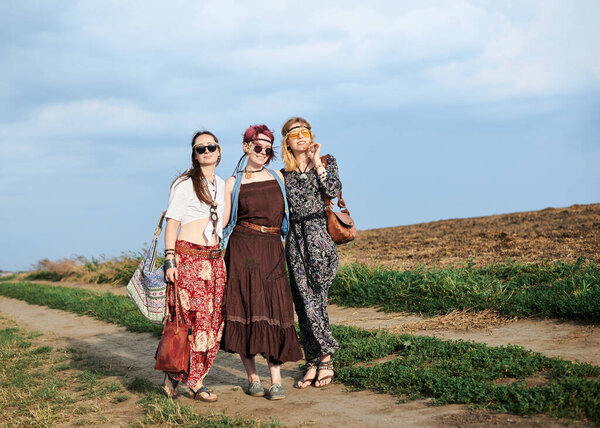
[[173, 352], [339, 224]]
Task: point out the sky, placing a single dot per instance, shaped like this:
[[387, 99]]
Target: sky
[[433, 109]]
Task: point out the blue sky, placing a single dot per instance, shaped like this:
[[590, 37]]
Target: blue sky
[[434, 109]]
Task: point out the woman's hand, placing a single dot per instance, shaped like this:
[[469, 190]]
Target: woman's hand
[[172, 275], [315, 153]]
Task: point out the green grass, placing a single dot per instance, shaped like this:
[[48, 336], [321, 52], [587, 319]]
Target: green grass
[[32, 394], [467, 372], [569, 291], [31, 391], [163, 411], [447, 371]]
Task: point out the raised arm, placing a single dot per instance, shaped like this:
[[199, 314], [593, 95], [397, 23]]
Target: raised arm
[[329, 178]]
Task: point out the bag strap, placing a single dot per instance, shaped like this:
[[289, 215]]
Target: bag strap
[[173, 289], [159, 226], [341, 203], [152, 249]]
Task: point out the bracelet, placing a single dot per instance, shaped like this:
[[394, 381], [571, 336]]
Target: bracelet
[[170, 263], [169, 251]]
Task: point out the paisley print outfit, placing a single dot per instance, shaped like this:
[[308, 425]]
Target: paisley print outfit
[[312, 256]]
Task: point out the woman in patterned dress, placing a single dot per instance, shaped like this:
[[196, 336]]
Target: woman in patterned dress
[[194, 261], [258, 308], [311, 253]]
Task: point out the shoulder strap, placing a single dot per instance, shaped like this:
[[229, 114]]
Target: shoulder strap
[[159, 227]]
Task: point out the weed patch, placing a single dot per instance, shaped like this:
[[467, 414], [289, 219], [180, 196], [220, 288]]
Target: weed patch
[[467, 373], [31, 391], [569, 291], [116, 271]]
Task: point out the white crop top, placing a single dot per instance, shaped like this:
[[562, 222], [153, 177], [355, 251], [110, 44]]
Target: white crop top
[[184, 205]]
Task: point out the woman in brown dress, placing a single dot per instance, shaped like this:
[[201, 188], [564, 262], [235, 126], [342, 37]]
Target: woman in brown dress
[[258, 310]]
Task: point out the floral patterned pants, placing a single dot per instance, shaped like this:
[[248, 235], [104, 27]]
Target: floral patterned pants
[[201, 285]]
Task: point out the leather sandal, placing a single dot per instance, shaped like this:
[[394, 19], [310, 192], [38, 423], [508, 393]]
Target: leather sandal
[[325, 365], [170, 387], [197, 395], [309, 366]]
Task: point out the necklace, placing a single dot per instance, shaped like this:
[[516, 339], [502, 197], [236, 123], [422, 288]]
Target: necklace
[[303, 173], [214, 216], [248, 174]]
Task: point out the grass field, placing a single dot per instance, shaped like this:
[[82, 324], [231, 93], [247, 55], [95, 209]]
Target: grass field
[[43, 386], [564, 290], [447, 371], [569, 291]]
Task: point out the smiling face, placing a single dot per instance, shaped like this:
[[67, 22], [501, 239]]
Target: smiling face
[[265, 144], [299, 137], [203, 144]]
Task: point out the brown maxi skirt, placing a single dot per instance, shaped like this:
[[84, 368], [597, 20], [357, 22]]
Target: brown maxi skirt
[[257, 306]]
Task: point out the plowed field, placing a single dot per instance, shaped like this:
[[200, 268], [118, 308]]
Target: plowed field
[[534, 236]]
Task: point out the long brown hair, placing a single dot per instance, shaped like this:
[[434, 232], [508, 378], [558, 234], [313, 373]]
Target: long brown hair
[[286, 151], [195, 172]]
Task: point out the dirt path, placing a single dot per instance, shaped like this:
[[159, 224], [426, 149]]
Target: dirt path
[[131, 353], [567, 340]]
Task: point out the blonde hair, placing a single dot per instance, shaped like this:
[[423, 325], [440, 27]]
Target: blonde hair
[[286, 152]]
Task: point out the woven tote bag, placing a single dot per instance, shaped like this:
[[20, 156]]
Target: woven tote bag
[[147, 288]]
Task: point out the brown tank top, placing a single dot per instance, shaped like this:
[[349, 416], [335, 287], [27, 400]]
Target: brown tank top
[[261, 203]]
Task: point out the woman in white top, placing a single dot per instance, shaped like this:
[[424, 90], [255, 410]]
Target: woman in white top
[[194, 261]]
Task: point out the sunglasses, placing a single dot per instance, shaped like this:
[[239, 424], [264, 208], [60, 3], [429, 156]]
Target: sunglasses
[[259, 149], [305, 132], [201, 149]]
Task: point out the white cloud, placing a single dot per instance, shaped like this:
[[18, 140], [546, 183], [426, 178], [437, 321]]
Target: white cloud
[[550, 53], [87, 118], [453, 49]]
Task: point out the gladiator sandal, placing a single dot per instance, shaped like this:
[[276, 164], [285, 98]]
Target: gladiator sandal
[[325, 365], [309, 366]]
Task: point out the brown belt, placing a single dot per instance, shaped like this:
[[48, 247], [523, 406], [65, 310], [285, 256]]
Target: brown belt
[[206, 254], [263, 229]]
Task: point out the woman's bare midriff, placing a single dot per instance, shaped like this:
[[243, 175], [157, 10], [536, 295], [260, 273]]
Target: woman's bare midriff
[[194, 232]]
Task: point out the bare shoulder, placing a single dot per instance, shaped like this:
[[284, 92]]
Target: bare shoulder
[[229, 183]]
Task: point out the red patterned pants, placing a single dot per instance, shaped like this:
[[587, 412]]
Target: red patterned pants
[[201, 284]]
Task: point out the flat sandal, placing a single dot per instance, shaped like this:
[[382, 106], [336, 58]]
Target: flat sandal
[[197, 395], [325, 365], [170, 387], [309, 365]]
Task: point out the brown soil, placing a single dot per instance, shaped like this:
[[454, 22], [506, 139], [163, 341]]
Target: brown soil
[[534, 236]]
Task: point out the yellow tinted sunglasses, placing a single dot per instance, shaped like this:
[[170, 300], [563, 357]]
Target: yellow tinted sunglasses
[[296, 132]]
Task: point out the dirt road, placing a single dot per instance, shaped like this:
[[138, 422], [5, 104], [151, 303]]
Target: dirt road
[[132, 355]]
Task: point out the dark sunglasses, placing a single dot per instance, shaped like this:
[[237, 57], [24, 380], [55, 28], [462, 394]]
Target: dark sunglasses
[[201, 149], [259, 149]]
